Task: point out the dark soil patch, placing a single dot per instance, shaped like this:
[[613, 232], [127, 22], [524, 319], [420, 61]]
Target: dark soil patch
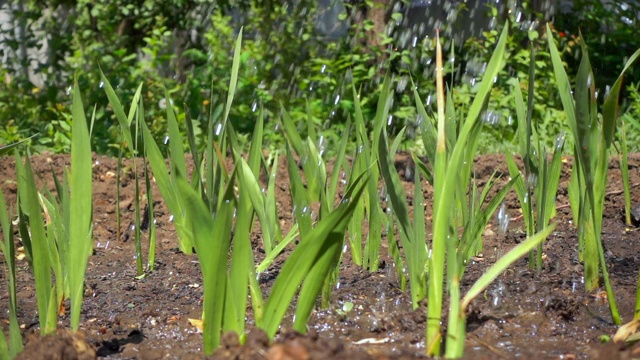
[[523, 314]]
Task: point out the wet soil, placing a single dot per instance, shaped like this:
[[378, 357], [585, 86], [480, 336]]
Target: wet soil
[[523, 314]]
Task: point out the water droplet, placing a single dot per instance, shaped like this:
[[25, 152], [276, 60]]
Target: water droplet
[[532, 180], [560, 141], [402, 84], [503, 218], [491, 117]]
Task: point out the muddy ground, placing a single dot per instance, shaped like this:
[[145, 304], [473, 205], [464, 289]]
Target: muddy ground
[[523, 314]]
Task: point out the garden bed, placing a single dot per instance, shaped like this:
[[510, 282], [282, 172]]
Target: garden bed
[[523, 314]]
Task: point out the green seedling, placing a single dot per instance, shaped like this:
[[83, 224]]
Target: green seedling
[[36, 244], [449, 182], [623, 155], [11, 349], [537, 188], [457, 314], [136, 112], [593, 139], [309, 264], [345, 309]]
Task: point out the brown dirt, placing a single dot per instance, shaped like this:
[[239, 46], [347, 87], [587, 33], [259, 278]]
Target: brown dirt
[[523, 314]]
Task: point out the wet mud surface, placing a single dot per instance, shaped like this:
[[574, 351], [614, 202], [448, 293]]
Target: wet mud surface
[[523, 314]]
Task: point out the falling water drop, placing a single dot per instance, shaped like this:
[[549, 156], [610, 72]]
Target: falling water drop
[[503, 218]]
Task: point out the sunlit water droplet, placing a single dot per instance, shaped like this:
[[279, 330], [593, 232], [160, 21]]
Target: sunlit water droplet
[[503, 218], [491, 117], [532, 180]]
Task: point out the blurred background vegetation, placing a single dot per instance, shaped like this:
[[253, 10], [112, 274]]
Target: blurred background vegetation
[[303, 55]]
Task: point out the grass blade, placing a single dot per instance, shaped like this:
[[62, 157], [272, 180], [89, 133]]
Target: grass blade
[[166, 187], [445, 176], [624, 171], [81, 208], [235, 66], [271, 256], [417, 255], [324, 239], [8, 148], [8, 251], [212, 240], [337, 165], [503, 263], [124, 122], [176, 147], [39, 248]]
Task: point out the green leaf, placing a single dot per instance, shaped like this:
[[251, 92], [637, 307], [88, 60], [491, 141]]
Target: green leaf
[[323, 240], [503, 263], [7, 148], [212, 240], [610, 107], [251, 188], [233, 83], [178, 163], [169, 193], [417, 256], [8, 251], [32, 216], [81, 207], [118, 110]]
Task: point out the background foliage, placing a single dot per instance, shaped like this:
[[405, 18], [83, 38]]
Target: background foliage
[[185, 47]]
